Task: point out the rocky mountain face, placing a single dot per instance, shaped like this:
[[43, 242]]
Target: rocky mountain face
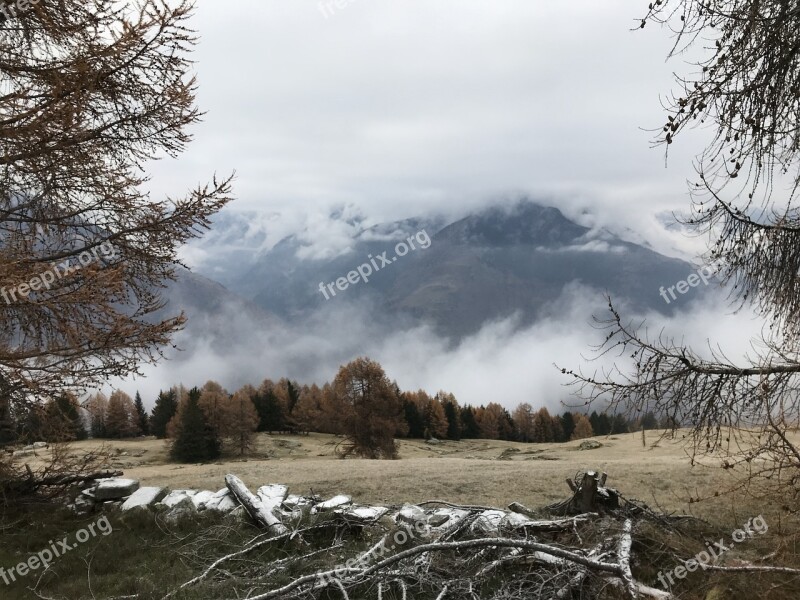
[[520, 260]]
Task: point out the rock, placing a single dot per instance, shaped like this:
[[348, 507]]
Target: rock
[[589, 445], [363, 513], [442, 516], [238, 514], [294, 501], [222, 501], [144, 497], [272, 495], [201, 499], [180, 510], [336, 502], [115, 488], [82, 505], [30, 447], [24, 453], [515, 520], [433, 441], [38, 445], [175, 497], [488, 522], [410, 513]]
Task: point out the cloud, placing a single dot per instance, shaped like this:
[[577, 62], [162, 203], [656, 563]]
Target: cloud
[[501, 363], [403, 108]]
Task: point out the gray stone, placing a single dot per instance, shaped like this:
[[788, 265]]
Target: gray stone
[[115, 488], [433, 441], [201, 499], [24, 453], [336, 502], [40, 445], [363, 513], [488, 523], [410, 513], [144, 497], [589, 445], [175, 497]]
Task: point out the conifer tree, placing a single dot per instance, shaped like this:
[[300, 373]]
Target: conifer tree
[[163, 411], [141, 415], [195, 441]]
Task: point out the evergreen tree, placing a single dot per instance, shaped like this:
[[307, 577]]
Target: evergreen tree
[[195, 440], [416, 425], [292, 395], [271, 412], [453, 421], [63, 420], [469, 425], [603, 425], [141, 415], [619, 424], [594, 419], [558, 429], [649, 421], [8, 425], [165, 408], [568, 425]]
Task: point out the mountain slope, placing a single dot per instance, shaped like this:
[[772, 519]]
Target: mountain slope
[[501, 261]]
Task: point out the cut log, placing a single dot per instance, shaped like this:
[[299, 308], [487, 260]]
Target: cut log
[[253, 505]]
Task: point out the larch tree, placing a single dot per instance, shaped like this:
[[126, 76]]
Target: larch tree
[[241, 419], [374, 412], [523, 422], [97, 408], [583, 428], [744, 91], [92, 91], [121, 420], [435, 419], [543, 427]]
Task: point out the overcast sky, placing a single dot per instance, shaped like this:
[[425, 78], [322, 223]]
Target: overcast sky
[[389, 109], [400, 107]]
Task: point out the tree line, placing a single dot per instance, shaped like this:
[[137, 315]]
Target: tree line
[[361, 403]]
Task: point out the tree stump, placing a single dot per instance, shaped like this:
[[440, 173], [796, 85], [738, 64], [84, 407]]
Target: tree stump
[[590, 495]]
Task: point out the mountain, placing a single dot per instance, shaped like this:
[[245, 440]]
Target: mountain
[[514, 260]]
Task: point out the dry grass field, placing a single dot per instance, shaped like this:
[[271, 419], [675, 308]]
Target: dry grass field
[[484, 472]]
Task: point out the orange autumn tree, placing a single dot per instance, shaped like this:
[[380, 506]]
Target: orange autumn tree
[[373, 412]]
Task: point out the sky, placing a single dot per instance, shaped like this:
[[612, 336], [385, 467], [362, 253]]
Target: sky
[[397, 108], [389, 109]]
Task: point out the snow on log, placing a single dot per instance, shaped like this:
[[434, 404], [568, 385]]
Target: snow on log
[[624, 554], [253, 505]]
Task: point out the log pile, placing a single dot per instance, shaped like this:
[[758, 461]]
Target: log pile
[[440, 550]]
